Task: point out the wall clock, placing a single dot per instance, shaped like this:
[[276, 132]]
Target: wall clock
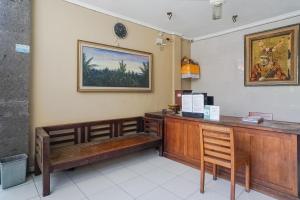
[[120, 30]]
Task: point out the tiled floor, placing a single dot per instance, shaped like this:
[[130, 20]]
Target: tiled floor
[[141, 176]]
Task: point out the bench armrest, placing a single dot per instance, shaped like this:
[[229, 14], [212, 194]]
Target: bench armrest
[[42, 149], [153, 125]]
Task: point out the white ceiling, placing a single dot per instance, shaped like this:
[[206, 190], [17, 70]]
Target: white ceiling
[[192, 18]]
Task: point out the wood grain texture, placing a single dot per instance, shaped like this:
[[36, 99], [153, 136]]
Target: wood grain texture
[[275, 126], [273, 152], [72, 145], [223, 155]]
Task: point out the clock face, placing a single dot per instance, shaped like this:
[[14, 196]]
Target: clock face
[[120, 30]]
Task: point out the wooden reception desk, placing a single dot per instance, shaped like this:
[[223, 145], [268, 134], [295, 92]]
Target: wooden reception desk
[[273, 147]]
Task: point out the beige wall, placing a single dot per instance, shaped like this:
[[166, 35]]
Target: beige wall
[[176, 65], [57, 25], [185, 51]]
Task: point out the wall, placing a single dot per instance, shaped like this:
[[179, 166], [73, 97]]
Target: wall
[[186, 51], [15, 28], [222, 64], [176, 65], [57, 25]]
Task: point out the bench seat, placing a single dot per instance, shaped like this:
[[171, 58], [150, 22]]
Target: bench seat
[[69, 146], [82, 154]]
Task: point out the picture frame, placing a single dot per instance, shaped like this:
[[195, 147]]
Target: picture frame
[[106, 68], [271, 57]]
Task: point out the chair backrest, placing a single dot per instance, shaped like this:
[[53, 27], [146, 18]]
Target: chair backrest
[[217, 145], [266, 116]]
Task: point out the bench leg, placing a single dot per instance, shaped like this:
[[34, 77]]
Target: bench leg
[[46, 183], [160, 150], [37, 170]]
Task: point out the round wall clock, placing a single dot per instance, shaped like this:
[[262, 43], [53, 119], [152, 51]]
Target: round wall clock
[[120, 30]]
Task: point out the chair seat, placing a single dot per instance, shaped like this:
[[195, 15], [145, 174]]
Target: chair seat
[[84, 151]]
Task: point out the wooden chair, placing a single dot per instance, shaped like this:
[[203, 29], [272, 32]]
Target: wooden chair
[[266, 116], [217, 148]]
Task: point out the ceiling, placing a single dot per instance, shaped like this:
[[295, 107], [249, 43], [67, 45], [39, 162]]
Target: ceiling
[[192, 18]]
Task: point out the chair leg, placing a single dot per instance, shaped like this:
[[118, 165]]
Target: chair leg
[[232, 180], [214, 172], [202, 177], [247, 177], [46, 183]]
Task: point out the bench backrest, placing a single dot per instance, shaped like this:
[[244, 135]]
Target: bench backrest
[[69, 134]]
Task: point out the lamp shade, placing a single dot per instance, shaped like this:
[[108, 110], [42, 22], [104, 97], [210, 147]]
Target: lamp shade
[[190, 71]]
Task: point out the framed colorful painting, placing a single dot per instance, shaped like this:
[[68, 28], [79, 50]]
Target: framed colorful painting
[[108, 68], [271, 57]]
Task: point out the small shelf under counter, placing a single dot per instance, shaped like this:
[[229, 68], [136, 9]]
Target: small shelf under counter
[[273, 147]]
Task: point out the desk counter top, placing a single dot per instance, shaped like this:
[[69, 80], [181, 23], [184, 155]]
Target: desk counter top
[[268, 125], [273, 147]]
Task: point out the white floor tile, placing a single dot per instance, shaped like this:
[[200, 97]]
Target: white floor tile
[[94, 185], [138, 186], [120, 175], [181, 187], [25, 191], [141, 167], [222, 187], [36, 198], [159, 176], [83, 173], [141, 176], [160, 161], [159, 194], [253, 195], [194, 176], [108, 165], [148, 155], [112, 193], [131, 162], [207, 195], [176, 168], [68, 192]]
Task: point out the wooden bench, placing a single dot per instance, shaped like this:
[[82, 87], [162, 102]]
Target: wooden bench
[[72, 145]]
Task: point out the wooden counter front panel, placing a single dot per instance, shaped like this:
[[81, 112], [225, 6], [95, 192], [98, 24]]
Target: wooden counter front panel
[[273, 155], [182, 140], [174, 138], [192, 148]]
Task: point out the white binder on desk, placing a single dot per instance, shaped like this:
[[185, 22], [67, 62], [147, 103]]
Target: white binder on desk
[[187, 103], [198, 103]]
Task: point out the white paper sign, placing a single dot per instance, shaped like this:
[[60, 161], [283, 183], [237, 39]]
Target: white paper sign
[[198, 103], [215, 113], [187, 103]]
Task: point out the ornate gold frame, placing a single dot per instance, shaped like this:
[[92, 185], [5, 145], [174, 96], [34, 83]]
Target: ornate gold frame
[[294, 30]]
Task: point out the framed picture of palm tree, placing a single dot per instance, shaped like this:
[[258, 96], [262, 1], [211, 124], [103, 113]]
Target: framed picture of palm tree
[[113, 69]]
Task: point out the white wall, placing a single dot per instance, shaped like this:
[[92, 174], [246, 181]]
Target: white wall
[[222, 75]]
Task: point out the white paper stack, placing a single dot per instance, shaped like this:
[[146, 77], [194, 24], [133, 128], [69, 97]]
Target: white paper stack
[[187, 103], [253, 119], [193, 103], [198, 103]]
